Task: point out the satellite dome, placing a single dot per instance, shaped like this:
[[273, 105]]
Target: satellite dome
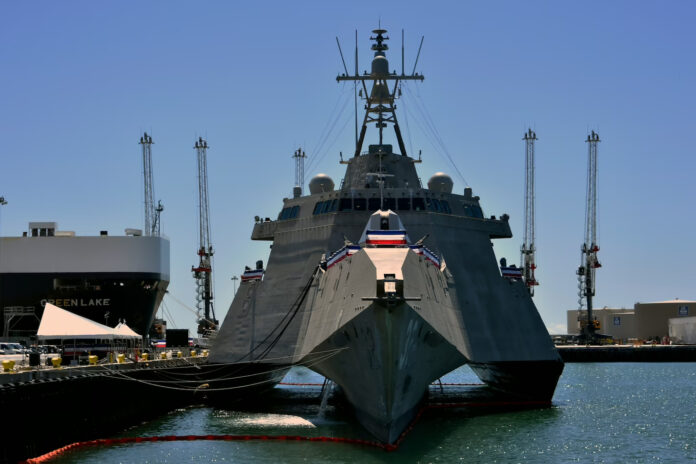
[[440, 182], [320, 183]]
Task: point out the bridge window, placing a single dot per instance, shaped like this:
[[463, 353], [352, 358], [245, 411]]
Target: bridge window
[[346, 204], [445, 207], [359, 204], [404, 204], [389, 203], [418, 204], [373, 204]]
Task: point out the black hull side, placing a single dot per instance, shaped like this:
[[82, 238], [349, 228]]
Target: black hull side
[[134, 297], [522, 380]]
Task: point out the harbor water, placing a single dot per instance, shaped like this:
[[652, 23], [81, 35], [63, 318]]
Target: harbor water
[[601, 413]]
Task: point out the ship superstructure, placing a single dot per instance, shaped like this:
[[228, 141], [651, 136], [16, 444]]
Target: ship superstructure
[[383, 323], [106, 278]]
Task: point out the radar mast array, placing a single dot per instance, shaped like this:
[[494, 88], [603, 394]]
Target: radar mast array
[[380, 107], [528, 259], [152, 213], [589, 262], [207, 322]]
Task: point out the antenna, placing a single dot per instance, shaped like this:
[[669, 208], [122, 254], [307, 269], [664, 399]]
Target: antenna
[[417, 56], [402, 52], [380, 107]]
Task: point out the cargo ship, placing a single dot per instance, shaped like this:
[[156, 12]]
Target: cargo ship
[[104, 277]]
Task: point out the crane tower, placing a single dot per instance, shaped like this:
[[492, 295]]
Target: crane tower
[[528, 259], [203, 273], [299, 156], [589, 262], [152, 213]]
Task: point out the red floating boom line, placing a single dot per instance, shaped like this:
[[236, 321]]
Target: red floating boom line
[[352, 441]]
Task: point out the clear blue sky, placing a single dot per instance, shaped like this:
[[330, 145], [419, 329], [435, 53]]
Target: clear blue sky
[[80, 82]]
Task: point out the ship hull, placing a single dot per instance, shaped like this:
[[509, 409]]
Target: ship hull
[[385, 359], [103, 297]]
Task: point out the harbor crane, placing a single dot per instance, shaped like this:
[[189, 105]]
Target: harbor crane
[[588, 257], [207, 323], [528, 258], [152, 213]]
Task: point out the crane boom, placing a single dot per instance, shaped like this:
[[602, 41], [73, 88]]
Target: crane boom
[[203, 273], [589, 263], [528, 259]]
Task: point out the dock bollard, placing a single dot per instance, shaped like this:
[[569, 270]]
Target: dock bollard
[[121, 358], [93, 360], [193, 353], [8, 365], [205, 353], [57, 361], [111, 357], [145, 356], [179, 354], [163, 355]]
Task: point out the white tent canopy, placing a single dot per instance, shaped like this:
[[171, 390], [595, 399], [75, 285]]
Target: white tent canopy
[[59, 323], [126, 331]]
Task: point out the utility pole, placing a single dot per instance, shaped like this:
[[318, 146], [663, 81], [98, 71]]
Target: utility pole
[[203, 273], [528, 258], [588, 256]]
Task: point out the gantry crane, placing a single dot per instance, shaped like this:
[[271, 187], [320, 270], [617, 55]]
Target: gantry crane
[[588, 256], [207, 322], [528, 258]]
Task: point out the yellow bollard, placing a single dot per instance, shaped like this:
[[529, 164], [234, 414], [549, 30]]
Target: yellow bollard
[[145, 356], [205, 353], [193, 353], [8, 365], [121, 358], [111, 357], [179, 354], [56, 362], [93, 360], [163, 355]]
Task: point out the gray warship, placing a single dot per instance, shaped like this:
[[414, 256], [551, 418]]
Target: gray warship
[[384, 316]]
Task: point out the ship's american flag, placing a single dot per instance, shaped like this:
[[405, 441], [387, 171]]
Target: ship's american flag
[[426, 253], [511, 272], [386, 237], [252, 274], [341, 254]]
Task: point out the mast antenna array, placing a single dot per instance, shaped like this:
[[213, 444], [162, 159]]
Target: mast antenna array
[[207, 322], [380, 107], [528, 259], [589, 262], [152, 213]]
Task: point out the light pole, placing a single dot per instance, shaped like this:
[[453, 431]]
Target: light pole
[[235, 279], [3, 202]]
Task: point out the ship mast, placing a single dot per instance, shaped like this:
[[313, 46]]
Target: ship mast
[[528, 260], [589, 262], [380, 107], [203, 273]]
